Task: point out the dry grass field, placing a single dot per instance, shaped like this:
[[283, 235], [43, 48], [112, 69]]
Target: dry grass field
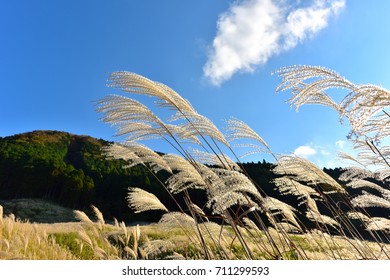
[[97, 240], [239, 219]]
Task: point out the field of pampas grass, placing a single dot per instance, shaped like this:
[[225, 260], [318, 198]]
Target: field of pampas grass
[[172, 238], [321, 217], [238, 215]]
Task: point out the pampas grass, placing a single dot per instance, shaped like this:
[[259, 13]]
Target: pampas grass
[[99, 216], [82, 217], [23, 240], [205, 160], [141, 200], [369, 200], [30, 241], [239, 218], [172, 220]]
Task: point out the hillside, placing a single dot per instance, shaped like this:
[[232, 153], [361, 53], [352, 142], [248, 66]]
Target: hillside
[[72, 171], [68, 169]]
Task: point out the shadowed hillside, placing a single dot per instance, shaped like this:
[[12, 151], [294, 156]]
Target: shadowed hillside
[[68, 169]]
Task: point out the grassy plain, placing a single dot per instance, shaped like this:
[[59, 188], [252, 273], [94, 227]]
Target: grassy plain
[[95, 239]]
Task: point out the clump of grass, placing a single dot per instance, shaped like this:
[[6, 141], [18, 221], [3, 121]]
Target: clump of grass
[[88, 240], [23, 240], [98, 240], [205, 160], [71, 242]]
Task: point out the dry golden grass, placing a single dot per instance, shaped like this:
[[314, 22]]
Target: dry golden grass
[[24, 240], [314, 245]]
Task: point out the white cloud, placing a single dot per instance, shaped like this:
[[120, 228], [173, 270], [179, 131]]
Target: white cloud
[[340, 144], [305, 151], [252, 31]]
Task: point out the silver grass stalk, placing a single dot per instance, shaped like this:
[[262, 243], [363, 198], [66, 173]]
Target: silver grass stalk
[[319, 79], [140, 200], [379, 223], [310, 203], [131, 252], [238, 130], [81, 216], [199, 125], [137, 84], [136, 153], [252, 149], [323, 219], [154, 248], [354, 160], [195, 124], [364, 105], [356, 173], [98, 215], [184, 180], [126, 113], [294, 76], [276, 207], [355, 215], [136, 236], [226, 188], [219, 160], [219, 204], [119, 109], [379, 124], [174, 100], [137, 131], [303, 170], [359, 183], [178, 163], [250, 224], [173, 220], [85, 238], [137, 232], [288, 186], [233, 181], [126, 110], [186, 176], [100, 253], [125, 232], [369, 200], [287, 227], [370, 154], [197, 210], [211, 228]]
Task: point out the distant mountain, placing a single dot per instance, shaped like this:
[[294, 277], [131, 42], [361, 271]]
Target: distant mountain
[[70, 170]]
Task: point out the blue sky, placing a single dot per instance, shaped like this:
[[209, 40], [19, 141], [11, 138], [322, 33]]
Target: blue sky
[[55, 57]]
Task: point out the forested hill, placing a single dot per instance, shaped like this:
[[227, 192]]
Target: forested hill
[[70, 170]]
